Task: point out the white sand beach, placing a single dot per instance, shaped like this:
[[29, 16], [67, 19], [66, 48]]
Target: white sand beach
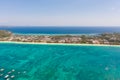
[[66, 44]]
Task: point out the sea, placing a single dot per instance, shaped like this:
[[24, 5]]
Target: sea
[[59, 62], [57, 30]]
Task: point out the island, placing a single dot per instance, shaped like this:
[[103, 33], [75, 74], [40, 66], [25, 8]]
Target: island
[[104, 38]]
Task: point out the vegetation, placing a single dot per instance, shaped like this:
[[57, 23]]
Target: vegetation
[[105, 38], [4, 33]]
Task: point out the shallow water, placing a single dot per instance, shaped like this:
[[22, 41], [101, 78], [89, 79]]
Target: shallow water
[[59, 62]]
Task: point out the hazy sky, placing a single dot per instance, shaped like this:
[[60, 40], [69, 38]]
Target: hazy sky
[[60, 12]]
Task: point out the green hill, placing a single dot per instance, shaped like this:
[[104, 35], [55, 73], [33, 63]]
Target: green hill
[[4, 33]]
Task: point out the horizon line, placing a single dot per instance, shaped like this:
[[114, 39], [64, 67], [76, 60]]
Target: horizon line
[[52, 26]]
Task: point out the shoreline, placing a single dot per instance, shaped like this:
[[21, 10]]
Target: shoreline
[[66, 44], [40, 34]]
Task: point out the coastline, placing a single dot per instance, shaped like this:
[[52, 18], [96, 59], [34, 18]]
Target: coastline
[[40, 34], [105, 39], [65, 44]]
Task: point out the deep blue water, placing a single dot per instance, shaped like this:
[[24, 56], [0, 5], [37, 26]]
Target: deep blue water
[[59, 62], [61, 30]]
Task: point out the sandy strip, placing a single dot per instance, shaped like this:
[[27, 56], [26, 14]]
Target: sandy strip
[[38, 43]]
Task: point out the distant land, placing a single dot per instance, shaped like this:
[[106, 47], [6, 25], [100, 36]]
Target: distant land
[[104, 38]]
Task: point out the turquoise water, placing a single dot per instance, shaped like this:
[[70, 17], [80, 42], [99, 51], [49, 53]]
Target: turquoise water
[[59, 62]]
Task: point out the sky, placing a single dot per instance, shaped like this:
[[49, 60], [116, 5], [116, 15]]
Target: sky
[[60, 12]]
